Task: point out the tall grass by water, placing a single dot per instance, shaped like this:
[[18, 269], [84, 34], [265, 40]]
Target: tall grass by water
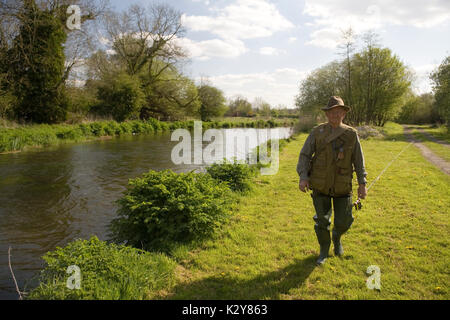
[[18, 138]]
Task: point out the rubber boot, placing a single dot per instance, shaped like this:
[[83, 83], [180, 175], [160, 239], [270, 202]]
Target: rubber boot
[[323, 236], [338, 249]]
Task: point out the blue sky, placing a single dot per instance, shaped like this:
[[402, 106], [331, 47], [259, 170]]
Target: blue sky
[[264, 48]]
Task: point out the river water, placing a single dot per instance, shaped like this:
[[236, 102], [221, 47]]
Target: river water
[[52, 196]]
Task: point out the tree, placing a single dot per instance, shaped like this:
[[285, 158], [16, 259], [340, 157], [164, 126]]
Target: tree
[[265, 109], [418, 109], [144, 45], [142, 38], [348, 47], [261, 107], [239, 107], [212, 102], [172, 97], [41, 52], [441, 88], [378, 83], [121, 97], [36, 67], [317, 88]]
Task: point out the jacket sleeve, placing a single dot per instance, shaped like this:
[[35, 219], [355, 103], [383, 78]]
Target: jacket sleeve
[[304, 159], [358, 162]]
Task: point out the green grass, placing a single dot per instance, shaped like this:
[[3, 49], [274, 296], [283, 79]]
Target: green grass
[[106, 272], [268, 251], [440, 132]]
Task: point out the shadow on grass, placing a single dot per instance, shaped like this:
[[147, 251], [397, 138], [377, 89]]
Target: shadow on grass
[[398, 136], [395, 137], [266, 286]]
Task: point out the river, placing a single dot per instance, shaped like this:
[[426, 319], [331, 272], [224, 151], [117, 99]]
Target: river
[[52, 196]]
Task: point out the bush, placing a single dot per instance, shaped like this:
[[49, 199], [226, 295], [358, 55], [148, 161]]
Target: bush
[[97, 129], [237, 175], [108, 271], [112, 128], [156, 125], [164, 209]]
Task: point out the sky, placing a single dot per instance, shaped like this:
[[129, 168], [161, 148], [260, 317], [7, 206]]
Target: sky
[[265, 48]]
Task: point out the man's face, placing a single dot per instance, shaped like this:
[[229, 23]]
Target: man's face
[[336, 115]]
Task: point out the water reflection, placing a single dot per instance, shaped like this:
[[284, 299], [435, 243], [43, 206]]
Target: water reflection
[[51, 197]]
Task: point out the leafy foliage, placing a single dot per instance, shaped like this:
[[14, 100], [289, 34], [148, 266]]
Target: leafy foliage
[[379, 80], [239, 107], [419, 109], [441, 79], [37, 67], [237, 175], [121, 96], [212, 102], [108, 271], [163, 209]]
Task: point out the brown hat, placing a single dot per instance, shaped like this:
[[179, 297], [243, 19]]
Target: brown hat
[[336, 101]]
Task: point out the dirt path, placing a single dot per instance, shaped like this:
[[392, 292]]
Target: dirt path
[[443, 165]]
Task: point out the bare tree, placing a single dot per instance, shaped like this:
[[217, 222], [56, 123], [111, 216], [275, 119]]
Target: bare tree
[[147, 38], [347, 48]]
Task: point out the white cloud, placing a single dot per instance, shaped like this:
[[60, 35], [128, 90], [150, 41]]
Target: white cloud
[[244, 19], [104, 41], [269, 51], [277, 87], [292, 39], [240, 20], [330, 16], [205, 2], [204, 50], [422, 83]]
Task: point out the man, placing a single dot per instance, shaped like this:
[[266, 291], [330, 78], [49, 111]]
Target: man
[[326, 163]]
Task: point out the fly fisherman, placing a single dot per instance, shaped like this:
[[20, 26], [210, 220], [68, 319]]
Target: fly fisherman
[[326, 163]]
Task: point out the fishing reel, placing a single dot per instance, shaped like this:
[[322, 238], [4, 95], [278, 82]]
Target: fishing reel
[[358, 204]]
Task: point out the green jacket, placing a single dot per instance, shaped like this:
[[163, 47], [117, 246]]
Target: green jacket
[[329, 157]]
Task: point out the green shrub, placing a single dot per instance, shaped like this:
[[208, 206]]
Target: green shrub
[[138, 126], [112, 128], [126, 127], [237, 175], [164, 209], [108, 271], [97, 129], [156, 125], [164, 126], [70, 133]]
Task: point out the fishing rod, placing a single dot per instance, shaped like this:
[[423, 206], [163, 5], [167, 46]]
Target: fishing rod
[[358, 204]]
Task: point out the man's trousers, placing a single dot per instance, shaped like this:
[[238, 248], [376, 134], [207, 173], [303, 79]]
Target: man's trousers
[[343, 217]]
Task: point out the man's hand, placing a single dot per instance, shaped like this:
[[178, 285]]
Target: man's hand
[[362, 191], [304, 185]]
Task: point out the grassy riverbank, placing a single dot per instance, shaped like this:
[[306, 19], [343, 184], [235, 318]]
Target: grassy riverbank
[[19, 138], [269, 249]]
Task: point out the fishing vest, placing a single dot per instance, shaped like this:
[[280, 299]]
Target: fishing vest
[[331, 166]]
